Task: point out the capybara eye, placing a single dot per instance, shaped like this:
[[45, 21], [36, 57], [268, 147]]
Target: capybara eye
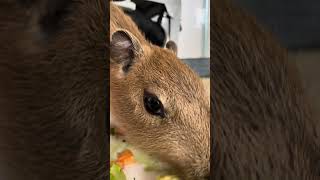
[[153, 105]]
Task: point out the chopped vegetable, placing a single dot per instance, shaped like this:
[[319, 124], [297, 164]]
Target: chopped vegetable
[[122, 154], [125, 158], [116, 173]]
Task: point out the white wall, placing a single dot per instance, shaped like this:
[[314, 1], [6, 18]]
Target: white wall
[[191, 39]]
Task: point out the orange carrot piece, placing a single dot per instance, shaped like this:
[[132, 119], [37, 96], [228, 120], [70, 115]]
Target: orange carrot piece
[[125, 158]]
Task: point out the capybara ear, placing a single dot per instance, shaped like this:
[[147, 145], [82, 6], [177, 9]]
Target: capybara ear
[[124, 48], [171, 45]]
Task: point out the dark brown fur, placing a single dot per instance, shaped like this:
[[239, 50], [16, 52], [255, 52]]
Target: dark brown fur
[[53, 93], [262, 126]]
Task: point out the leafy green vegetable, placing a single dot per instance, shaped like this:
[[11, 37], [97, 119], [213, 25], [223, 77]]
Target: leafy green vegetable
[[149, 163], [116, 173]]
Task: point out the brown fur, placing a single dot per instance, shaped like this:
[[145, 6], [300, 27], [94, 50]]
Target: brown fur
[[53, 94], [182, 138], [262, 126]]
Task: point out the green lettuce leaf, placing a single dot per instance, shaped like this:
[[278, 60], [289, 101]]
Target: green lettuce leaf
[[116, 173]]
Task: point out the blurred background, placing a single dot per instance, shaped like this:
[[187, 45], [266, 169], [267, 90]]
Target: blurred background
[[186, 22], [296, 24]]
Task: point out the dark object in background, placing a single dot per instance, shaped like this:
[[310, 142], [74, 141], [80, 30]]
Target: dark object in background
[[145, 10], [294, 22]]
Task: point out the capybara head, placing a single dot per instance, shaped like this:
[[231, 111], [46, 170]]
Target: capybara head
[[159, 102]]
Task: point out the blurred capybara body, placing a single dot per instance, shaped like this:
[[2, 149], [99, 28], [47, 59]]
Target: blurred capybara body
[[262, 125], [53, 89]]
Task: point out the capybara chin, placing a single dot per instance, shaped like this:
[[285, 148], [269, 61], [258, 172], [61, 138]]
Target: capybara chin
[[262, 126]]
